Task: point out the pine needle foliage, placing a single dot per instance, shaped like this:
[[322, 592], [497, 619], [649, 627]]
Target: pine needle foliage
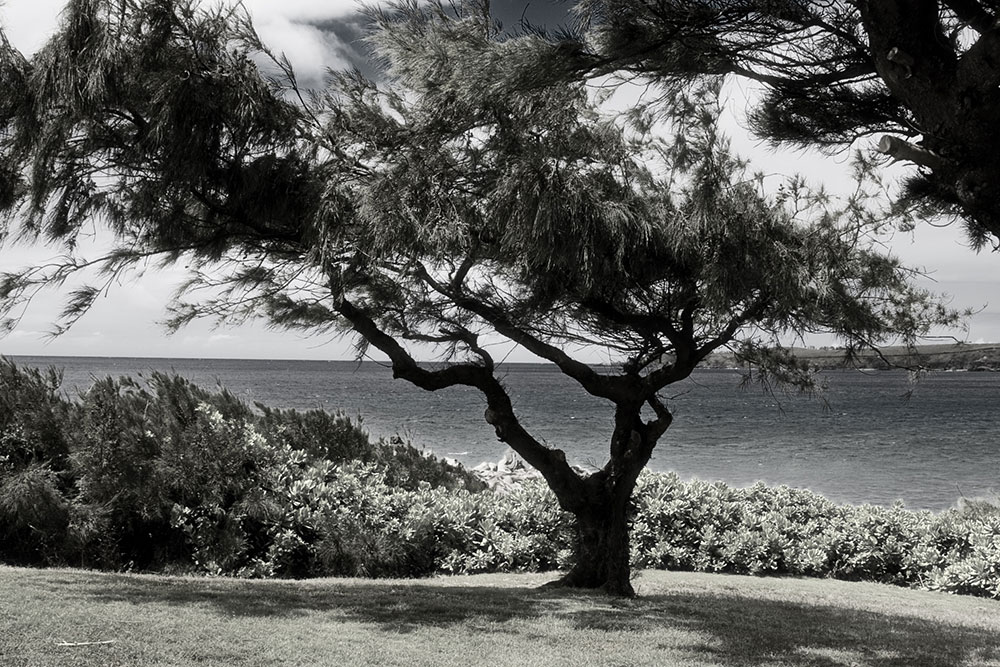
[[473, 195], [832, 75]]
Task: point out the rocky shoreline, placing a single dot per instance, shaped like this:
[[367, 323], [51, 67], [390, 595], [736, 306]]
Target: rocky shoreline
[[510, 472], [506, 474]]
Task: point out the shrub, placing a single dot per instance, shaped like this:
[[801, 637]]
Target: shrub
[[336, 438], [408, 467], [320, 434], [777, 530], [120, 495], [376, 530], [32, 415], [165, 475], [34, 516]]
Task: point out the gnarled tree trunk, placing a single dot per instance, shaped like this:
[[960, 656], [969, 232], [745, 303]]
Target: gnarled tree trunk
[[602, 506], [603, 559]]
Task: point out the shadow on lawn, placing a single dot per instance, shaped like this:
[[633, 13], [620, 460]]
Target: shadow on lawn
[[395, 606], [788, 633], [731, 629]]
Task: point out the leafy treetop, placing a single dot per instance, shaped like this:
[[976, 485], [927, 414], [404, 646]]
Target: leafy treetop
[[923, 74], [472, 195]]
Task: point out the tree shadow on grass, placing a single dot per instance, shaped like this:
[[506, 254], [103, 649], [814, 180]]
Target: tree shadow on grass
[[393, 605], [729, 628], [739, 630]]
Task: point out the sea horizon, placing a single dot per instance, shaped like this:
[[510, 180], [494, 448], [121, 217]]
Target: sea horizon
[[860, 442]]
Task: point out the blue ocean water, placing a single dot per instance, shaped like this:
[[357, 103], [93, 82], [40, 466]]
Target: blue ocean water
[[861, 441]]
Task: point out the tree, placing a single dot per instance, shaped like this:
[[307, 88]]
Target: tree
[[923, 74], [468, 198]]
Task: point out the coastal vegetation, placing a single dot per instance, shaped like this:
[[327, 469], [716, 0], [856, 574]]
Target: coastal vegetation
[[167, 477], [479, 192]]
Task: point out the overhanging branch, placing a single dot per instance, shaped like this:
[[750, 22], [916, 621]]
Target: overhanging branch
[[900, 149], [593, 382]]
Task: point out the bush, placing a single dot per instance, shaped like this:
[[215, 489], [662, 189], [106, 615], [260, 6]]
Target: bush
[[33, 413], [334, 437], [156, 473], [34, 462], [320, 434], [408, 467], [777, 530], [164, 475], [34, 516]]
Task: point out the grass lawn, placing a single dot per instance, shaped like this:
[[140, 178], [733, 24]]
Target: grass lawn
[[680, 619]]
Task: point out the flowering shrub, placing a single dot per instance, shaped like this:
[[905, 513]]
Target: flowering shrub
[[349, 520]]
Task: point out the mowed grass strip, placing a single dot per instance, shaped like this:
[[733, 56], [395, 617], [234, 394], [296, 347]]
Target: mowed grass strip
[[680, 619]]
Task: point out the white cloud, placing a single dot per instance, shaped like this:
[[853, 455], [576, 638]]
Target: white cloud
[[284, 26], [310, 50], [28, 23], [302, 10]]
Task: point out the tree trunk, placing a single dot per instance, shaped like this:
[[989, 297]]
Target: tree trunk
[[603, 502], [602, 546]]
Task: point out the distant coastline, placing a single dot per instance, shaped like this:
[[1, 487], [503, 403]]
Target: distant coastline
[[946, 357], [943, 357]]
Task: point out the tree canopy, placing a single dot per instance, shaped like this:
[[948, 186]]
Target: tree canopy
[[471, 195], [921, 74]]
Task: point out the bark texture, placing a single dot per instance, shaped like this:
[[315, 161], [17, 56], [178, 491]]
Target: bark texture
[[602, 505]]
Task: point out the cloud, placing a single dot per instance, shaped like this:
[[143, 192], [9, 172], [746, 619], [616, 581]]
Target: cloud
[[29, 24], [310, 50], [302, 10], [288, 26], [313, 35]]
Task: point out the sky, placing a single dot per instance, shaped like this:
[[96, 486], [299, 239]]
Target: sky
[[315, 35]]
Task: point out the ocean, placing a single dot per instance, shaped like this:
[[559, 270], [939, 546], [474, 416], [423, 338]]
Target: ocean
[[870, 437]]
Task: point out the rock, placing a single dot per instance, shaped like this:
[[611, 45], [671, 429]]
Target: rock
[[505, 475], [510, 471]]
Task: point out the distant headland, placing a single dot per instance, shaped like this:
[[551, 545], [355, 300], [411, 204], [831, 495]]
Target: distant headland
[[951, 356]]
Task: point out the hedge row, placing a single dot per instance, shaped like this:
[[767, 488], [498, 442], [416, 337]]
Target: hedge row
[[777, 530], [349, 519], [171, 478]]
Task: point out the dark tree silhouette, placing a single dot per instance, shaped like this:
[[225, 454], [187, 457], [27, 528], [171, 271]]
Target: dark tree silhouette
[[467, 198], [922, 74]]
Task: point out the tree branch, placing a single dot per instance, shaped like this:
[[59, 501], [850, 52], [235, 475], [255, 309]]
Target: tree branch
[[657, 427], [551, 463], [603, 386], [900, 149], [973, 14], [979, 67], [651, 323]]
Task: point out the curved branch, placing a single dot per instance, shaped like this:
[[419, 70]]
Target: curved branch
[[973, 14], [658, 426], [596, 384], [551, 463]]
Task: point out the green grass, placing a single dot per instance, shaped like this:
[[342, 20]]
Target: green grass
[[680, 619]]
